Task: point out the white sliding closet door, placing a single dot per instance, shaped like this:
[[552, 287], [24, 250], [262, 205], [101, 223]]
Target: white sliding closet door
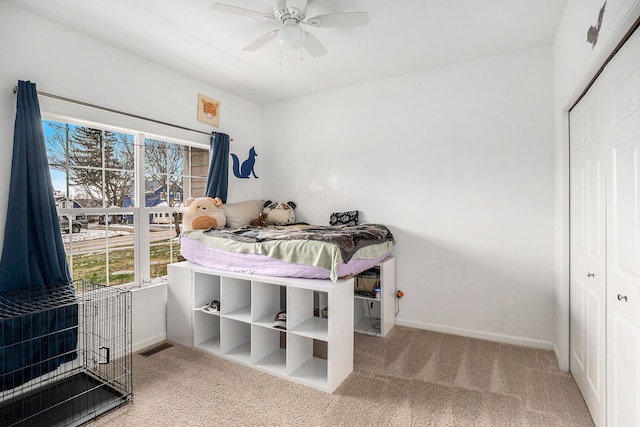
[[588, 251], [622, 88]]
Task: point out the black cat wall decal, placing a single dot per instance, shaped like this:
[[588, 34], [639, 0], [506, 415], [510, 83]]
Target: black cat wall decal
[[593, 32], [245, 170]]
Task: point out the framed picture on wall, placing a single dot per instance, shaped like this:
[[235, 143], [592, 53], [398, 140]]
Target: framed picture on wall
[[208, 110]]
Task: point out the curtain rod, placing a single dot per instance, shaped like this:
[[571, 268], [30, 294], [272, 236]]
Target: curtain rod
[[135, 116]]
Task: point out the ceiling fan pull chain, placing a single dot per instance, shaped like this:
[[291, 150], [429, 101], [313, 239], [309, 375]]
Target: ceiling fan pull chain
[[301, 58]]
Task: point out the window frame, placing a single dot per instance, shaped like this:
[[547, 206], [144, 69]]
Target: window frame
[[140, 212]]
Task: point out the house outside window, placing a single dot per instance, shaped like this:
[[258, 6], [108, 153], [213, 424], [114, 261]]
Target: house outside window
[[118, 196]]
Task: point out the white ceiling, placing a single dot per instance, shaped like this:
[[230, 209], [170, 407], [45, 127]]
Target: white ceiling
[[403, 36]]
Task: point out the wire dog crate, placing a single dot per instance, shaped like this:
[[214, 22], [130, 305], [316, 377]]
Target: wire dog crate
[[65, 354]]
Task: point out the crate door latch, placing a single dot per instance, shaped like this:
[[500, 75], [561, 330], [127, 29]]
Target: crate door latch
[[104, 362]]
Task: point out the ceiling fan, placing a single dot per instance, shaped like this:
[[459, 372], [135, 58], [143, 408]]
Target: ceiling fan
[[291, 14]]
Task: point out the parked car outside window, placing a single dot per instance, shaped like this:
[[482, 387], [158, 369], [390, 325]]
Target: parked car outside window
[[78, 222]]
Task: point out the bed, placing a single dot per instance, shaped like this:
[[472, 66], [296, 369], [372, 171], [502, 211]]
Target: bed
[[298, 250]]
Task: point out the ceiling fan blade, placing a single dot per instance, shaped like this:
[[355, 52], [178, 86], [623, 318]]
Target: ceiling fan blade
[[313, 46], [261, 41], [235, 10], [347, 19]]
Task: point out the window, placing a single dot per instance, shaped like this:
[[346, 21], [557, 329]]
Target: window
[[118, 199], [171, 170]]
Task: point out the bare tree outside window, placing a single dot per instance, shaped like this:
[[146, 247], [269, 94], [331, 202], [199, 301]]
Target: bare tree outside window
[[99, 163], [164, 168]]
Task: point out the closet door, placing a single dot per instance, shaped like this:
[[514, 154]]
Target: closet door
[[588, 254], [622, 77]]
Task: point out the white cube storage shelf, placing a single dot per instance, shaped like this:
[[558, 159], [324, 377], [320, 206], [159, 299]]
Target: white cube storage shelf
[[243, 331], [377, 316]]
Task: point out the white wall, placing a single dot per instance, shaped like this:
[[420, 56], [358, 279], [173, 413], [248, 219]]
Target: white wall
[[148, 315], [458, 162], [576, 63], [68, 64]]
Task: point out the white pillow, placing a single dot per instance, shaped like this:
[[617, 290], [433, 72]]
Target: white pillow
[[241, 214]]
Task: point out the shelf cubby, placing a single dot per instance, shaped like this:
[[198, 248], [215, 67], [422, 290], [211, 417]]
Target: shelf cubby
[[206, 331], [206, 289], [366, 315], [235, 300], [268, 299], [302, 366], [267, 350], [301, 316], [235, 340]]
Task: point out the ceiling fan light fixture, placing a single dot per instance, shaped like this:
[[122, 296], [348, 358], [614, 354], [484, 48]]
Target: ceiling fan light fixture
[[291, 15], [290, 35]]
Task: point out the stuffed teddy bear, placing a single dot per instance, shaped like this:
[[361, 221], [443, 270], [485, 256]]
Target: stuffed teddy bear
[[203, 213], [278, 213]]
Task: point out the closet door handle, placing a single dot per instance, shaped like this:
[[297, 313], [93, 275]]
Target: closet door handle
[[622, 297], [591, 275]]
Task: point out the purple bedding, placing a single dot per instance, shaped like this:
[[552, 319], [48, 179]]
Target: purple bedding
[[200, 253], [299, 250]]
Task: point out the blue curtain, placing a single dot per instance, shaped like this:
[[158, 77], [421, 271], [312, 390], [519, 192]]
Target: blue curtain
[[218, 176], [38, 312]]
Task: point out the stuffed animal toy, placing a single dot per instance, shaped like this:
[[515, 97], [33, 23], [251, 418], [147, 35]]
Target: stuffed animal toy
[[279, 213], [203, 213], [260, 221]]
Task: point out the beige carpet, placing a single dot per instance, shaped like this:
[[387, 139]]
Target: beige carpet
[[409, 378]]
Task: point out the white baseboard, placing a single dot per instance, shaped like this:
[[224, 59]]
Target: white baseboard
[[137, 346], [489, 336], [556, 352]]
